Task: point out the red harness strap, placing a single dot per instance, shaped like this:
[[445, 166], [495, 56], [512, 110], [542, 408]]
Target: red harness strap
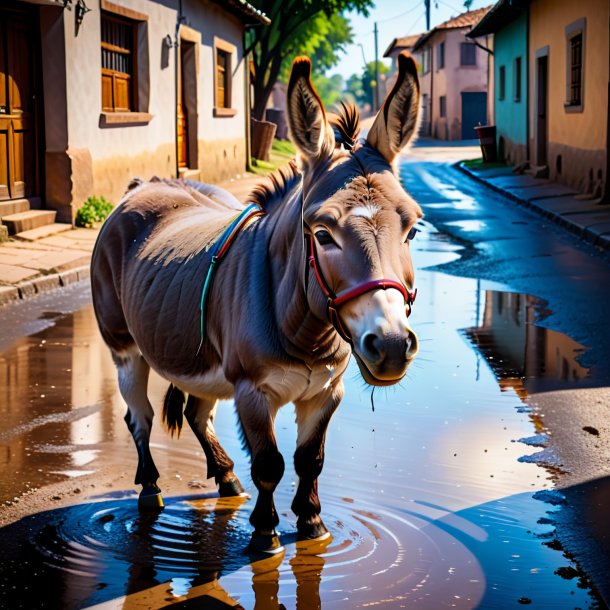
[[334, 301]]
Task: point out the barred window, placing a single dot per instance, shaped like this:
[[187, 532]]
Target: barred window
[[223, 73], [575, 98], [443, 106], [118, 63]]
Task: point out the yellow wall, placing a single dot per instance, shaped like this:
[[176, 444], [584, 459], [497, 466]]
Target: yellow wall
[[580, 137]]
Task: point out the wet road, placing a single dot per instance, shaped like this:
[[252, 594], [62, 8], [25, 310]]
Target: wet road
[[443, 496]]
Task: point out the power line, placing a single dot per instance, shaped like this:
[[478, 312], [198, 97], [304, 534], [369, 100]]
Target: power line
[[416, 22], [400, 15]]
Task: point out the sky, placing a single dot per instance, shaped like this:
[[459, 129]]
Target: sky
[[394, 18]]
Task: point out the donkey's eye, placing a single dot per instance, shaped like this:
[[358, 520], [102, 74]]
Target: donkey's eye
[[324, 237], [411, 234]]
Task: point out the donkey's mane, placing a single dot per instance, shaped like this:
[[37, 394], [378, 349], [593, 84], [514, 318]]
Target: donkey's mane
[[277, 185], [346, 125]]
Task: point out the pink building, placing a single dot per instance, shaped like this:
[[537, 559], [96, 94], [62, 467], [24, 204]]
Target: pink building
[[454, 78]]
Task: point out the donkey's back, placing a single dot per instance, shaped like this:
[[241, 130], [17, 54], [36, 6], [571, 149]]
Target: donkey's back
[[157, 224]]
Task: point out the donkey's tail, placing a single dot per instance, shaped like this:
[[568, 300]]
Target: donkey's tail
[[173, 406]]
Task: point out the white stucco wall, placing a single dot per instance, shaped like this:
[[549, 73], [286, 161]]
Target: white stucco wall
[[115, 153]]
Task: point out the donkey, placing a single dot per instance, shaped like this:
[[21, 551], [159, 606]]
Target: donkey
[[324, 272]]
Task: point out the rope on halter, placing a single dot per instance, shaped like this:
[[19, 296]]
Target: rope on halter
[[218, 251]]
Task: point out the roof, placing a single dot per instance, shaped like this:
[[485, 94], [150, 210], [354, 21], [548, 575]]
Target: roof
[[404, 42], [244, 10], [465, 20], [500, 15]]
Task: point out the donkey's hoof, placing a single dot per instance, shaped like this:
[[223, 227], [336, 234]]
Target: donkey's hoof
[[312, 531], [230, 488], [268, 544], [150, 498]]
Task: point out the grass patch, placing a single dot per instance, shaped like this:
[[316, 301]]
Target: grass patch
[[281, 152], [476, 164]]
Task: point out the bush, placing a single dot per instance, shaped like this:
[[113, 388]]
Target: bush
[[95, 209]]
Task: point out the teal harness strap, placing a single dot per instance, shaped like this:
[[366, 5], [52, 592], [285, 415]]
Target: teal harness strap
[[218, 251]]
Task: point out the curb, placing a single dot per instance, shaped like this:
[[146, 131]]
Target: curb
[[583, 233], [46, 283]]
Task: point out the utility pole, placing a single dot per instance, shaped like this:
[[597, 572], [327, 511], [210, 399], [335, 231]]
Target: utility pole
[[427, 3], [377, 71]]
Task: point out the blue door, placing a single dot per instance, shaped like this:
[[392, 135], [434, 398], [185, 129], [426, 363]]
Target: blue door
[[474, 112]]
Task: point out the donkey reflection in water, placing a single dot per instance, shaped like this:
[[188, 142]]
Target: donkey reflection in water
[[320, 270]]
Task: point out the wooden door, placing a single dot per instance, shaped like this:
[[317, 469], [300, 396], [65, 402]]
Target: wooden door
[[18, 157], [181, 120]]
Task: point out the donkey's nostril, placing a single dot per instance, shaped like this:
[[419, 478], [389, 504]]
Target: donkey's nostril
[[370, 345], [412, 344]]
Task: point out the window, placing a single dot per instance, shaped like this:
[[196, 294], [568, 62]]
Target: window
[[443, 106], [502, 83], [124, 69], [517, 79], [468, 56], [223, 68], [575, 54], [425, 59], [441, 56], [575, 97], [118, 63]]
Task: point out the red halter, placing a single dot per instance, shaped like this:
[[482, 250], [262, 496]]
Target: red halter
[[335, 301]]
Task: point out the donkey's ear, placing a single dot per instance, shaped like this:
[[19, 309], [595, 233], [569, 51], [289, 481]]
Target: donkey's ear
[[306, 117], [397, 120]]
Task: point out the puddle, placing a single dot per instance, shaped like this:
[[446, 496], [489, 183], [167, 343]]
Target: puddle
[[426, 497]]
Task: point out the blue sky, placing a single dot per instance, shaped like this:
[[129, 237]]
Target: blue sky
[[394, 18]]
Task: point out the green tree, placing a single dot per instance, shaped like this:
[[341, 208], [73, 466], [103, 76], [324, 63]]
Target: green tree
[[272, 45], [353, 87], [368, 81], [321, 39], [329, 88]]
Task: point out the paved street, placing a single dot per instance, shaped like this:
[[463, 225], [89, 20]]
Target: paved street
[[470, 477]]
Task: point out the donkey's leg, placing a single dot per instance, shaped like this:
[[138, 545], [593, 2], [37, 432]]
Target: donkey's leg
[[257, 417], [312, 421], [133, 381], [200, 413]]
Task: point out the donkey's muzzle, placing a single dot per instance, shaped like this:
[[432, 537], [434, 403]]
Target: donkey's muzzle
[[384, 359]]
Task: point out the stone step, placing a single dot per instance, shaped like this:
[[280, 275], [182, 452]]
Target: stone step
[[13, 206], [25, 221], [44, 231]]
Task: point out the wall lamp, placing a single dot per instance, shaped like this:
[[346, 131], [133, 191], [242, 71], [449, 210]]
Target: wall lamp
[[80, 11]]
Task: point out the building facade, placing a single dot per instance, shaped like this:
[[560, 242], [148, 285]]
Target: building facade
[[508, 22], [552, 72], [108, 91], [454, 77], [568, 83]]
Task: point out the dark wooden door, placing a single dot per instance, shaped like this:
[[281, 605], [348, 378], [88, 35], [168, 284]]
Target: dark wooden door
[[18, 156], [541, 109], [181, 118]]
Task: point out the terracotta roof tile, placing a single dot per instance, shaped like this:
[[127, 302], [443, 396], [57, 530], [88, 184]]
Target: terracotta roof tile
[[404, 42], [465, 20]]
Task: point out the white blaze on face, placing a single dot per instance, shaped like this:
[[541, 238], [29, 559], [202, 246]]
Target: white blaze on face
[[365, 211]]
